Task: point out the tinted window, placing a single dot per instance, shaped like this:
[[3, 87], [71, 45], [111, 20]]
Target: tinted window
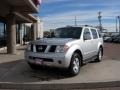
[[94, 33], [68, 32], [2, 34], [87, 35]]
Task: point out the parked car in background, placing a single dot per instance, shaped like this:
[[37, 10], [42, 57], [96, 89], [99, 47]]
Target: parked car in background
[[112, 39], [116, 39], [70, 48], [107, 39]]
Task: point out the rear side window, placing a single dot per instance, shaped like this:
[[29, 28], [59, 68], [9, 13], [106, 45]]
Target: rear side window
[[87, 35], [94, 33]]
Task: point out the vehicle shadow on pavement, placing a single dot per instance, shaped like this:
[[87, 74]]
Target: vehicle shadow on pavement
[[48, 74], [19, 72]]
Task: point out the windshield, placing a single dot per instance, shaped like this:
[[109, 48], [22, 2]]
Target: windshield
[[71, 32]]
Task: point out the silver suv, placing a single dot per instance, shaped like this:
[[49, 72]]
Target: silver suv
[[70, 48]]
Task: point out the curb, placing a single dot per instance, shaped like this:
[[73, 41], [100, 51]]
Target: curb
[[59, 86], [4, 48]]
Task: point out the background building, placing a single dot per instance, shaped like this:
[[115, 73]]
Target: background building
[[39, 28], [12, 22]]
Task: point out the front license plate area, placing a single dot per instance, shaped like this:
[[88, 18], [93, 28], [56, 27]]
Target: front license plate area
[[39, 61]]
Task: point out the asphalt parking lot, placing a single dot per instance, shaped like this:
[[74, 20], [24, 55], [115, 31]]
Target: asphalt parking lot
[[111, 51], [14, 69]]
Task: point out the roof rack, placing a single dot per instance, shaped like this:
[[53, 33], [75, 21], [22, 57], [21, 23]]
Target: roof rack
[[81, 26], [87, 25]]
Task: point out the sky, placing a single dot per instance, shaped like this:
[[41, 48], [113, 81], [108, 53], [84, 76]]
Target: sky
[[60, 13]]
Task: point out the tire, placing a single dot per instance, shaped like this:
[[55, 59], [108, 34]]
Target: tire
[[75, 64], [99, 55]]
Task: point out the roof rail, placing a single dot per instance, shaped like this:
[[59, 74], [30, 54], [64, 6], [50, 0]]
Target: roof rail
[[87, 26], [81, 26]]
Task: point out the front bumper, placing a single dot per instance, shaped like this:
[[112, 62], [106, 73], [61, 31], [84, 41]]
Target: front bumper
[[48, 59]]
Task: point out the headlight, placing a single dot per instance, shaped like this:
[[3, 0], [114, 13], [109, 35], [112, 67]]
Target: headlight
[[62, 48], [66, 48]]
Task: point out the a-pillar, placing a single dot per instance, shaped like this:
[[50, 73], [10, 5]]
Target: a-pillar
[[11, 34]]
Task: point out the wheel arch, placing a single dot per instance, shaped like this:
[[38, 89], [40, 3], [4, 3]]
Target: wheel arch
[[80, 53], [71, 51], [101, 48], [71, 68], [100, 45]]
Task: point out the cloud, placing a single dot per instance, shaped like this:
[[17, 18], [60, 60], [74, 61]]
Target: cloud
[[83, 17], [52, 1], [56, 13]]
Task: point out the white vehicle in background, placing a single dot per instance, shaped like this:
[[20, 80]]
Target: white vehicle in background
[[70, 48]]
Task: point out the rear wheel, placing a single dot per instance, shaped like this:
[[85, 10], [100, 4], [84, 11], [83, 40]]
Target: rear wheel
[[75, 64], [99, 55]]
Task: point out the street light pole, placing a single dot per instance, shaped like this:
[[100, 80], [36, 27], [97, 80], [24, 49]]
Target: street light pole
[[119, 24], [116, 24], [99, 18], [75, 21]]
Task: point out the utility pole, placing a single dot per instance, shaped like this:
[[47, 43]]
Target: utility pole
[[99, 18], [119, 23], [75, 21], [116, 24]]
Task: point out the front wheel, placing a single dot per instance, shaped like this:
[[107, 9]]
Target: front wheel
[[75, 64]]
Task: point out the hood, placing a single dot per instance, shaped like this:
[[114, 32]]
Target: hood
[[53, 41]]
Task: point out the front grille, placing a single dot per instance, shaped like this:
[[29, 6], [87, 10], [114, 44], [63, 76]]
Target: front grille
[[52, 48], [41, 48]]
